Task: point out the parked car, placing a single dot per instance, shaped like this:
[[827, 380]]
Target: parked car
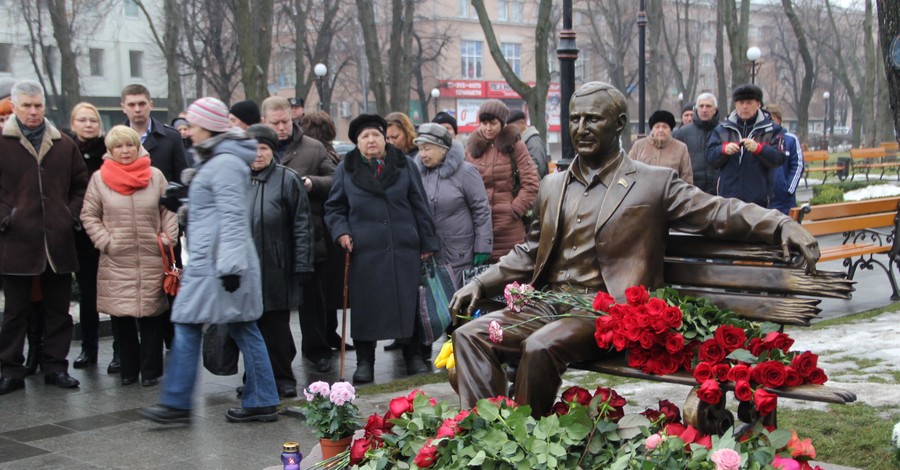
[[342, 148]]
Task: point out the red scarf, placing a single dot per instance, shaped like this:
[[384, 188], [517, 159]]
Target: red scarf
[[126, 179]]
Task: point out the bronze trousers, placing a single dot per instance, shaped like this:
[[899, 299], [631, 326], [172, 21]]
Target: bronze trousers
[[543, 349]]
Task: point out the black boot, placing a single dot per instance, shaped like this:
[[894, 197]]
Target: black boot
[[33, 360], [415, 364], [365, 362]]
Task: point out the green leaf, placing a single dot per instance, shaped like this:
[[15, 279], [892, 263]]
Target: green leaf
[[478, 459], [779, 438], [488, 410], [743, 355], [630, 425], [768, 327]]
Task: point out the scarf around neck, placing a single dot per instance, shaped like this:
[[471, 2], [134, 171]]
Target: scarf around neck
[[126, 179]]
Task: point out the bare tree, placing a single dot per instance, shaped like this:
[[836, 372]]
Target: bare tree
[[683, 40], [737, 25], [889, 28], [253, 21], [721, 85], [806, 88], [373, 55], [842, 59], [210, 48], [428, 50], [168, 46], [535, 96]]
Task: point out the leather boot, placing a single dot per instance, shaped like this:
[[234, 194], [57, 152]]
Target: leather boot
[[415, 364], [365, 362]]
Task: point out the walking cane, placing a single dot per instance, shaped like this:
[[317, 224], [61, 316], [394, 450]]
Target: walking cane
[[344, 318]]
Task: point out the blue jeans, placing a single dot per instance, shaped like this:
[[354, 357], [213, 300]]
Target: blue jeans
[[181, 370]]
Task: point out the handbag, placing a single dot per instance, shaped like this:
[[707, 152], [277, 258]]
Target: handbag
[[172, 279], [220, 351], [435, 291], [471, 273]]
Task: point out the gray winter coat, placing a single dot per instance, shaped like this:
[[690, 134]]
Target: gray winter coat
[[283, 235], [391, 226], [219, 240], [535, 144], [462, 213], [696, 135]]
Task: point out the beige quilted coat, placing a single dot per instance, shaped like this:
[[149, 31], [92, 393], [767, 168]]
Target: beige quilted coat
[[124, 229]]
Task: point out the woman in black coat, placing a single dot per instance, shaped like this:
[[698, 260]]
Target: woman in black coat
[[377, 212], [282, 232]]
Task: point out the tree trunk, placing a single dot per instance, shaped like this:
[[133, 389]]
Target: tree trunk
[[737, 24], [535, 96], [301, 88], [808, 72], [889, 29], [722, 87], [253, 20], [373, 56], [172, 39], [868, 113], [400, 58], [655, 23], [68, 67]]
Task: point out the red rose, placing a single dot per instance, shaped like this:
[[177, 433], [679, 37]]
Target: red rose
[[640, 314], [605, 323], [577, 395], [705, 441], [765, 402], [731, 337], [619, 311], [658, 324], [721, 370], [756, 346], [674, 343], [637, 295], [673, 414], [672, 316], [652, 415], [502, 400], [398, 406], [792, 377], [742, 390], [675, 429], [778, 340], [614, 414], [739, 372], [703, 372], [610, 396], [770, 373], [710, 392], [689, 435], [603, 301], [711, 351], [358, 450], [375, 423], [559, 409], [646, 339], [427, 455], [463, 414], [668, 364], [448, 428], [605, 339], [631, 329], [637, 358], [656, 306], [817, 376], [805, 363], [620, 342]]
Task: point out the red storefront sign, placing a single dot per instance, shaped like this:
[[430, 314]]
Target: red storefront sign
[[471, 90]]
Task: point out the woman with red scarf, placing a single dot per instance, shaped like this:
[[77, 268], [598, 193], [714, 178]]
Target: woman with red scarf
[[122, 215]]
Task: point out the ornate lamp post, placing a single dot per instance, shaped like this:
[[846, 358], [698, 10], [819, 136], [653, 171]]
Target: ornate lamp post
[[567, 52], [436, 95], [680, 100], [753, 55], [321, 70], [826, 96], [642, 66]]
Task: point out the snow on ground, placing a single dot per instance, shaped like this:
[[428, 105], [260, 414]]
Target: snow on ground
[[871, 192]]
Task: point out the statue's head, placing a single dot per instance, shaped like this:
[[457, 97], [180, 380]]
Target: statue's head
[[598, 113]]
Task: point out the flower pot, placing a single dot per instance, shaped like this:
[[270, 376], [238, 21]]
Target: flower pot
[[331, 448]]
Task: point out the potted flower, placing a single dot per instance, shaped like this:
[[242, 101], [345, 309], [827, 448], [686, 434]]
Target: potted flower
[[331, 411]]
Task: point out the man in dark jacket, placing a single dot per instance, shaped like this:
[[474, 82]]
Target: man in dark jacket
[[167, 153], [746, 147], [696, 135], [42, 183], [310, 160]]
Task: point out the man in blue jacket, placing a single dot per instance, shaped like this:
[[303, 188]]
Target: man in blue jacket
[[745, 148], [787, 176]]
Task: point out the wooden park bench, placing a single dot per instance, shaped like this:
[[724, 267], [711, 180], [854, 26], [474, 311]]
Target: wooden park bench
[[868, 228], [875, 158], [891, 149], [813, 156], [755, 282]]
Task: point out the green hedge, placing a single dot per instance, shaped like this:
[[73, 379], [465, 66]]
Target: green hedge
[[834, 192]]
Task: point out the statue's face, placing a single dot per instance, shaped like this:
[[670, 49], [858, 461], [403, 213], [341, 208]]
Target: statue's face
[[594, 125]]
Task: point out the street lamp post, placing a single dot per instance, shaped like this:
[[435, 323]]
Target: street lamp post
[[567, 52], [642, 66], [753, 55], [321, 70], [680, 100], [436, 94], [826, 96]]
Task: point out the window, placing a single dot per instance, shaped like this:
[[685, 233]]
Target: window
[[511, 10], [96, 57], [464, 8], [582, 69], [512, 52], [137, 63], [131, 9], [470, 51], [5, 57]]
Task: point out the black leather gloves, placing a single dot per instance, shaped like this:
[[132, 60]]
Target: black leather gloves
[[231, 282]]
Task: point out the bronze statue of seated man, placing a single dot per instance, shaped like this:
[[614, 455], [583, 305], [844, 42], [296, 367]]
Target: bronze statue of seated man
[[602, 225]]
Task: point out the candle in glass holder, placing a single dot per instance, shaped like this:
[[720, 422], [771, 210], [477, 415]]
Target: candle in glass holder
[[291, 456]]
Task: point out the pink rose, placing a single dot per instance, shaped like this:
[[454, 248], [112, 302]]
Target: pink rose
[[653, 441], [726, 459], [785, 464]]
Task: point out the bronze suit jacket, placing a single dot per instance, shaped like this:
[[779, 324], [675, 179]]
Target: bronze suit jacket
[[632, 226]]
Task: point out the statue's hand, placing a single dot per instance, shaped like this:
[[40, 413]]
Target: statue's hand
[[793, 235], [464, 299]]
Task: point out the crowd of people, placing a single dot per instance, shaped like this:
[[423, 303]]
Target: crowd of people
[[267, 213]]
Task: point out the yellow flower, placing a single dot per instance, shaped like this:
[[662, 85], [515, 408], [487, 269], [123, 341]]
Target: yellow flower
[[445, 357]]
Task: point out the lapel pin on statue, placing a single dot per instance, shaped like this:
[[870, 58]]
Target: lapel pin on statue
[[622, 182]]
